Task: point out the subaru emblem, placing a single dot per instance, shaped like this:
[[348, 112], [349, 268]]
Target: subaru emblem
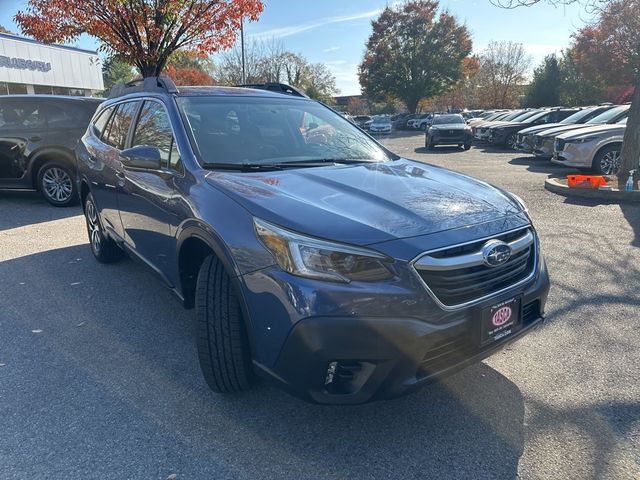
[[496, 253]]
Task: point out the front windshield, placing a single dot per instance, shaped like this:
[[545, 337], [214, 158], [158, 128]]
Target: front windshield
[[526, 116], [263, 131], [511, 116], [609, 115], [578, 116], [448, 119]]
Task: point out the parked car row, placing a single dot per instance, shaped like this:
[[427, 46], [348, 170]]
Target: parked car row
[[587, 138]]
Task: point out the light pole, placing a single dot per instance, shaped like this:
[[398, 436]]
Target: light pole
[[244, 74]]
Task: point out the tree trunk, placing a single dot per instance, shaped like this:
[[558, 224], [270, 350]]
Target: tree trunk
[[631, 143], [412, 104]]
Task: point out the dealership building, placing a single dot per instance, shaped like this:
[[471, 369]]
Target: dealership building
[[27, 66]]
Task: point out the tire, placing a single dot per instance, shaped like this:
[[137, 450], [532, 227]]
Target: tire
[[607, 160], [467, 146], [511, 141], [104, 249], [429, 144], [57, 183], [223, 347]]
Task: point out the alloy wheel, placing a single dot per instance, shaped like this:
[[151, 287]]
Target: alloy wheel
[[95, 235], [610, 162], [57, 184], [511, 142]]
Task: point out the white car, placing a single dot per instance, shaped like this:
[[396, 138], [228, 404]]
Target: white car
[[597, 148], [381, 125]]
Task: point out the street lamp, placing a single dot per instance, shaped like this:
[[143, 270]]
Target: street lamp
[[244, 74]]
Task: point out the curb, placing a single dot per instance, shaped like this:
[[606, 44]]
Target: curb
[[560, 187]]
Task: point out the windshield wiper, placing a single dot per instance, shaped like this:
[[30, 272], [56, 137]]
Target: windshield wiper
[[242, 167]]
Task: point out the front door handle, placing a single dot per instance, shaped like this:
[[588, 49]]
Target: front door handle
[[35, 138]]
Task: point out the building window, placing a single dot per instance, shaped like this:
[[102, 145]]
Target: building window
[[42, 89], [4, 89], [17, 88], [60, 91], [76, 92]]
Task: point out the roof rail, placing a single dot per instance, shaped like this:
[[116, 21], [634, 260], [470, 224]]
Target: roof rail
[[276, 87], [150, 84]]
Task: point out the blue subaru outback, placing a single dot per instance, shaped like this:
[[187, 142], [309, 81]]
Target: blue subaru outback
[[313, 256]]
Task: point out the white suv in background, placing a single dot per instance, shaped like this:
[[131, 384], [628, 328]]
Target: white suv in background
[[597, 148]]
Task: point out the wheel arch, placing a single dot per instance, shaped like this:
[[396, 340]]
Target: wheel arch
[[48, 154], [195, 244], [606, 144]]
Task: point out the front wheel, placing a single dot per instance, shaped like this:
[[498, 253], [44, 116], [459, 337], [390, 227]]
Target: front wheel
[[511, 141], [467, 146], [103, 248], [57, 183], [608, 160], [223, 346]]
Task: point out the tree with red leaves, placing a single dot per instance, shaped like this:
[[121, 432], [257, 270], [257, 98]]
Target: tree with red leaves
[[189, 76], [143, 33]]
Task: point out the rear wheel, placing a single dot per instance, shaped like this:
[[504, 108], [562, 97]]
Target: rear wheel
[[57, 184], [608, 160], [103, 248], [223, 347]]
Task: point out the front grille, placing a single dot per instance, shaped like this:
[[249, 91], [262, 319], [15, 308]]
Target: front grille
[[538, 141], [559, 145], [455, 278]]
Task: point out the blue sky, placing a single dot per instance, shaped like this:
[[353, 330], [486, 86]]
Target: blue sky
[[335, 31]]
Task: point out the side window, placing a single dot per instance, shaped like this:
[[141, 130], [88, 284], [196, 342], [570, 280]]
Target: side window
[[154, 130], [99, 125], [24, 115], [118, 127]]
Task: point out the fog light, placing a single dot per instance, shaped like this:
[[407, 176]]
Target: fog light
[[331, 372]]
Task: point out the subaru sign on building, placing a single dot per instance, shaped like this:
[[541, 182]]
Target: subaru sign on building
[[27, 66]]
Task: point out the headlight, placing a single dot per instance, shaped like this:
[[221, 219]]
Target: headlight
[[313, 258], [581, 140]]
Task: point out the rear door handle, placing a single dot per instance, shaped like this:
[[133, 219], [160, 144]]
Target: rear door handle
[[35, 138]]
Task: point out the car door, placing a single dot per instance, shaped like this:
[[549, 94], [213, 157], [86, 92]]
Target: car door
[[147, 198], [107, 140], [22, 127]]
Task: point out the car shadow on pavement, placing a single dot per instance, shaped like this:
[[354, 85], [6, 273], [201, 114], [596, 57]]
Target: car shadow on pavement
[[439, 150], [101, 358], [28, 207], [539, 165]]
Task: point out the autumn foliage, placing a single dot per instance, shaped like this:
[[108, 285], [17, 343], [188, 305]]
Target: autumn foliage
[[188, 76], [142, 32]]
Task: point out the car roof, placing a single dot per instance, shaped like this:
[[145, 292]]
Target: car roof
[[55, 97]]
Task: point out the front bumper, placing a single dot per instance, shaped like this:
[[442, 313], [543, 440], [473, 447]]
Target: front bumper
[[574, 155], [525, 143], [544, 148], [463, 138], [379, 357]]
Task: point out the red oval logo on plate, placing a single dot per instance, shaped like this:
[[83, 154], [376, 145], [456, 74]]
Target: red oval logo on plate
[[502, 316]]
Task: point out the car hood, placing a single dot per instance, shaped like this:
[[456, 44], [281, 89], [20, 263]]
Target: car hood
[[594, 130], [540, 128], [451, 126], [567, 128], [366, 203], [511, 125]]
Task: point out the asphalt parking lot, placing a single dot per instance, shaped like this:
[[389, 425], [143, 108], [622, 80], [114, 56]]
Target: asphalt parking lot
[[99, 375]]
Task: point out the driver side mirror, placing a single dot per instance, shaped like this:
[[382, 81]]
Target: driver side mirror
[[142, 157]]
